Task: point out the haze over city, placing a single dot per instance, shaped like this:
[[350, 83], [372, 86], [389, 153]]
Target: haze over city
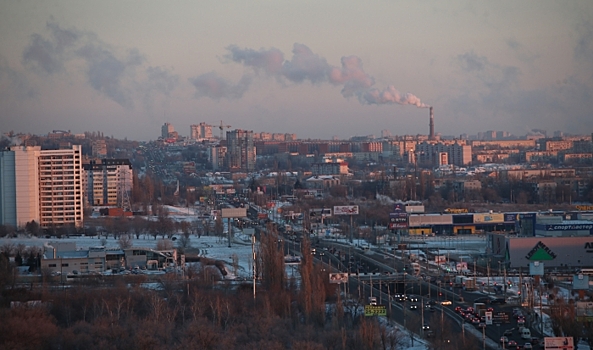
[[316, 69]]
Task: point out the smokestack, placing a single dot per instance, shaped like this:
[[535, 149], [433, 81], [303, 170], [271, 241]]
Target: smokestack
[[431, 125]]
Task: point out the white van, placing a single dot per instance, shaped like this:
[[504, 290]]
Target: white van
[[525, 333]]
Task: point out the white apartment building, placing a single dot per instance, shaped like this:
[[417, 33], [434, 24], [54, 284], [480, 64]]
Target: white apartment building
[[60, 187], [41, 185]]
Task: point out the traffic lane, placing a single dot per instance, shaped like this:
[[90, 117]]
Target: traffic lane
[[450, 325]]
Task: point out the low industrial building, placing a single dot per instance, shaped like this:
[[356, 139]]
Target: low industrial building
[[65, 258]]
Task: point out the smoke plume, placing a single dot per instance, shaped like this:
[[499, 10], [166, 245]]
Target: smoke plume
[[108, 71], [304, 66]]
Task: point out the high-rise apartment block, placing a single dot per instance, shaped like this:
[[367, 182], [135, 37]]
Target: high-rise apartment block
[[166, 130], [240, 150], [41, 185], [107, 182], [201, 131]]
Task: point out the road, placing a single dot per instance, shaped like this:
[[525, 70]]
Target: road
[[383, 265]]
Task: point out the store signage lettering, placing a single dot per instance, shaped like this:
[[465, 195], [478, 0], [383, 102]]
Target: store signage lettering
[[572, 227]]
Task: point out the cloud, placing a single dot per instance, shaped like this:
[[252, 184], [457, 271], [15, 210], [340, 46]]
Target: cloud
[[215, 87], [493, 92], [119, 75], [583, 50], [521, 52], [14, 84], [304, 66], [470, 62], [270, 61]]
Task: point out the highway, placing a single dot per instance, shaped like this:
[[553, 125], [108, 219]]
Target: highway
[[381, 268]]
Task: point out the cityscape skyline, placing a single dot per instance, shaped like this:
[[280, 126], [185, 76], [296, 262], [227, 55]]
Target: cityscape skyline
[[126, 69]]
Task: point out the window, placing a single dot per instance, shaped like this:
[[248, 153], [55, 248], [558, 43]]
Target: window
[[51, 265], [65, 265]]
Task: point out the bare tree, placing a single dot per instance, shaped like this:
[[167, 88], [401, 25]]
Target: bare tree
[[125, 241], [164, 244]]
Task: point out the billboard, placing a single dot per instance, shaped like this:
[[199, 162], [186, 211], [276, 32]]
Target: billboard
[[346, 210], [501, 317], [398, 220], [320, 212], [536, 268], [584, 311], [375, 310], [580, 281], [558, 343], [488, 317], [338, 278], [234, 212], [488, 218]]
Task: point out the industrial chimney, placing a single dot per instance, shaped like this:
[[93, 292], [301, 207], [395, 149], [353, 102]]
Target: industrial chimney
[[431, 125]]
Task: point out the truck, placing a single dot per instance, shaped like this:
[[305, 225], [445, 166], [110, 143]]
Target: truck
[[480, 308], [416, 268], [470, 284], [459, 281], [373, 301]]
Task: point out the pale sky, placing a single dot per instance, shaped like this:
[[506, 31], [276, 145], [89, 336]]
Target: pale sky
[[315, 68]]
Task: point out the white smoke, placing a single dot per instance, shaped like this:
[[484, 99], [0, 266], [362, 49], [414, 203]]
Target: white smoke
[[304, 66]]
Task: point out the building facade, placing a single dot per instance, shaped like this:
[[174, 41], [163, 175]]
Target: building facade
[[240, 150], [41, 185], [107, 181], [60, 187]]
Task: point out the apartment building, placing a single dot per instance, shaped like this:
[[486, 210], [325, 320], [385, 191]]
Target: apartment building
[[19, 186], [201, 131], [60, 187], [107, 181], [240, 150], [41, 185]]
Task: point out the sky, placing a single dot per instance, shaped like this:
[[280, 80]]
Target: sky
[[319, 69]]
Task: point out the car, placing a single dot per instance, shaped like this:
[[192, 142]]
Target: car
[[509, 331], [498, 301], [458, 309], [521, 322], [504, 339], [446, 302], [475, 321], [425, 327], [484, 300], [413, 307], [511, 343], [490, 309], [527, 346], [481, 325], [413, 299]]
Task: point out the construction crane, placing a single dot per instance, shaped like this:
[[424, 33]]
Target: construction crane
[[221, 127]]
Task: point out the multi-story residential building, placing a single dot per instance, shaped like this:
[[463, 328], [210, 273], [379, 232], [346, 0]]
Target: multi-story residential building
[[60, 187], [107, 181], [19, 186], [428, 153], [329, 168], [554, 145], [240, 150], [99, 148], [166, 130], [217, 156], [41, 185], [201, 131]]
